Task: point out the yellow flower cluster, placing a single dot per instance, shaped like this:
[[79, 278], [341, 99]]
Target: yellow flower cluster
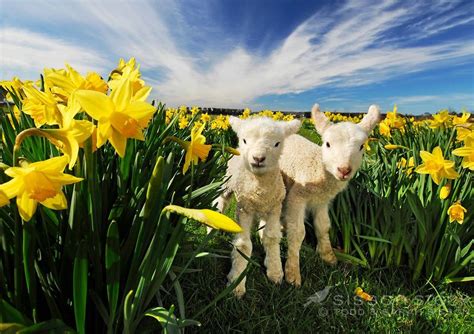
[[220, 123], [59, 106], [277, 116], [342, 118], [392, 121]]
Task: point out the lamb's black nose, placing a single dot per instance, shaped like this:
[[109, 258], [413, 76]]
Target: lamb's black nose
[[259, 159]]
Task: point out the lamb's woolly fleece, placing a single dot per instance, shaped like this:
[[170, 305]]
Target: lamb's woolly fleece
[[259, 192], [305, 174], [256, 193], [312, 178]]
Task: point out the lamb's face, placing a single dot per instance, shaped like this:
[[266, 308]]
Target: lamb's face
[[343, 143], [342, 149], [261, 141]]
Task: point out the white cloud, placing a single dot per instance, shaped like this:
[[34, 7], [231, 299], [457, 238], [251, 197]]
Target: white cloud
[[352, 46], [23, 52]]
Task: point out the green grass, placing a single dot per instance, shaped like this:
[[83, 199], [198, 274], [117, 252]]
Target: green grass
[[400, 306]]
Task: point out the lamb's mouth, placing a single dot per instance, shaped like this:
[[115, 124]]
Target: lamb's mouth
[[344, 177], [257, 165]]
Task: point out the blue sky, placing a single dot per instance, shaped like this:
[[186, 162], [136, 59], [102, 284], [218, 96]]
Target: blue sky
[[280, 55]]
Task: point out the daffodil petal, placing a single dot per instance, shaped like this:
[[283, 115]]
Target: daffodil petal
[[64, 179], [122, 94], [141, 111], [12, 188], [426, 155], [56, 164], [97, 105], [119, 142], [437, 152], [4, 200], [26, 206], [58, 202], [463, 151], [209, 217], [104, 131], [421, 169], [142, 94]]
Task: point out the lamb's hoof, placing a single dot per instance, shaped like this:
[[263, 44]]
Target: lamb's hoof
[[293, 277], [239, 291], [329, 257], [275, 276]]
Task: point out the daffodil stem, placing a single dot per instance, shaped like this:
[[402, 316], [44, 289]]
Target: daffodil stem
[[17, 268], [32, 132]]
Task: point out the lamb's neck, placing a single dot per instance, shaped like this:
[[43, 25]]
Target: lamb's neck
[[266, 177], [334, 182]]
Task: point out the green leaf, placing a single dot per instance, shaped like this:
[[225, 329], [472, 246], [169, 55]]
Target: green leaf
[[79, 283], [112, 267], [374, 239], [165, 317], [11, 315], [50, 326]]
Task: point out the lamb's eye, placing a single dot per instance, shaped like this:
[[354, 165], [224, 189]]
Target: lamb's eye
[[245, 142], [327, 144], [276, 145], [361, 147]]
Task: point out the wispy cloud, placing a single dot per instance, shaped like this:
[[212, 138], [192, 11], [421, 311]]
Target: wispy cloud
[[353, 45], [23, 52]]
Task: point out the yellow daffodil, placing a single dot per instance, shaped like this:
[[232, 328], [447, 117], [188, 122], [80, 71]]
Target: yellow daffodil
[[64, 83], [16, 86], [278, 116], [245, 113], [394, 120], [367, 146], [407, 165], [435, 165], [463, 132], [440, 120], [288, 117], [205, 118], [456, 213], [467, 152], [445, 191], [232, 150], [130, 71], [183, 122], [210, 218], [461, 120], [119, 115], [194, 110], [384, 129], [38, 182], [41, 106], [393, 147], [196, 148], [3, 199]]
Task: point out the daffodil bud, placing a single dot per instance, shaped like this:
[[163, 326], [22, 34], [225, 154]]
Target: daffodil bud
[[153, 186]]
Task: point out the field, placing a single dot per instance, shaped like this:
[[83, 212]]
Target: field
[[104, 196]]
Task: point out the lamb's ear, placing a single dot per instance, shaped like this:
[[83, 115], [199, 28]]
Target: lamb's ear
[[291, 127], [321, 122], [370, 120], [235, 123]]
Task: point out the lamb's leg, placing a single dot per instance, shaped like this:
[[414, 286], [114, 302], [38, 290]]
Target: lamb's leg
[[243, 243], [294, 224], [321, 226], [222, 203], [271, 243]]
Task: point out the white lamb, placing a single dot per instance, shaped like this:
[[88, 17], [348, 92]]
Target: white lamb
[[256, 181], [314, 175]]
